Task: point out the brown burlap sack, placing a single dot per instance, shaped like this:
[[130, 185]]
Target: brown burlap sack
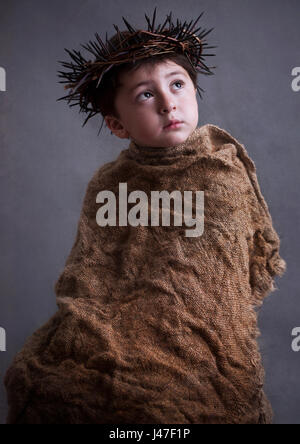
[[154, 326]]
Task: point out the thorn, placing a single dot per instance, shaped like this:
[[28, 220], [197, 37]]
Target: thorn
[[153, 19]]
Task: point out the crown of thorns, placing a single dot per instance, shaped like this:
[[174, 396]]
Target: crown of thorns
[[84, 76]]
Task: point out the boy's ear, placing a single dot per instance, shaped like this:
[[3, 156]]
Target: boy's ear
[[116, 127]]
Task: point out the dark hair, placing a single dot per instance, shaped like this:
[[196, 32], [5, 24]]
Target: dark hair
[[108, 88]]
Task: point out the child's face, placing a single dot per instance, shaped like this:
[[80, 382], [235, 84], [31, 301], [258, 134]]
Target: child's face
[[146, 110]]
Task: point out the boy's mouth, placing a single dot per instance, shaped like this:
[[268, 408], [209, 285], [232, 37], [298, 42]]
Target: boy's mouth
[[173, 124]]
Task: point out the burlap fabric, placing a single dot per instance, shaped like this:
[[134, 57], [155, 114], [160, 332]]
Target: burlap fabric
[[154, 326]]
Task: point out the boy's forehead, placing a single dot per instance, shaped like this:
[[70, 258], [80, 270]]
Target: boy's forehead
[[129, 80]]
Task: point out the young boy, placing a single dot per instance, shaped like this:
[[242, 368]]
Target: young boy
[[155, 326]]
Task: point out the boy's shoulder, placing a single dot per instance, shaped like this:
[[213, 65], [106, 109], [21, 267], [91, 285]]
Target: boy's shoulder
[[223, 143], [220, 136], [101, 175]]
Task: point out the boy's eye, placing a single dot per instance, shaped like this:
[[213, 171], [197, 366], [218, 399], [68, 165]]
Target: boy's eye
[[178, 81], [174, 83]]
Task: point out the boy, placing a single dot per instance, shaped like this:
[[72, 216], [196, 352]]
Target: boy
[[154, 326]]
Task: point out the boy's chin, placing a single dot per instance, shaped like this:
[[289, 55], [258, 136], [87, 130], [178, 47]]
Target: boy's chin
[[166, 140], [175, 138]]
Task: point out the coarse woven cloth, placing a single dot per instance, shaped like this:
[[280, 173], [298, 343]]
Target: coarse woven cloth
[[153, 326]]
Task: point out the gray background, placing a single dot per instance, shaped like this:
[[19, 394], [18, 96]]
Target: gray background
[[47, 158]]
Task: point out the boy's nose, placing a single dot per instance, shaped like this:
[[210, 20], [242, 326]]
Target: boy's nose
[[166, 102], [168, 109], [167, 106]]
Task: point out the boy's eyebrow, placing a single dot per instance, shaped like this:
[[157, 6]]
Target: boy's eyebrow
[[149, 82]]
